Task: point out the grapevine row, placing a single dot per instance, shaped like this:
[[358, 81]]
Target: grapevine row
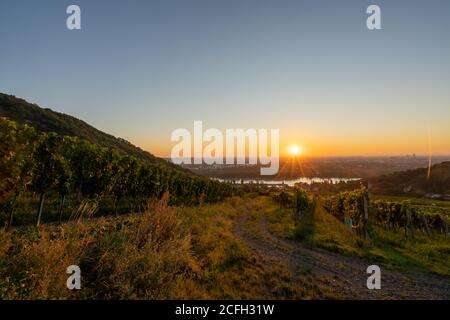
[[394, 216], [350, 207], [43, 163], [402, 215]]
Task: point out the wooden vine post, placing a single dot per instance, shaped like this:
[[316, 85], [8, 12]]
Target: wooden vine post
[[446, 229], [425, 224], [366, 218], [40, 209], [297, 208], [408, 225]]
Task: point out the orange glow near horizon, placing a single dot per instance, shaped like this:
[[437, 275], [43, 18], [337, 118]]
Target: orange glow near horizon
[[333, 150], [340, 146]]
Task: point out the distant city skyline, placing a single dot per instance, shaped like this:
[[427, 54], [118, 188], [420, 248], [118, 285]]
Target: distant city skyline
[[141, 69]]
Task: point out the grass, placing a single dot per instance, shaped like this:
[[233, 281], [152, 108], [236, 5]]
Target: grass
[[191, 253], [163, 253], [305, 285], [324, 230]]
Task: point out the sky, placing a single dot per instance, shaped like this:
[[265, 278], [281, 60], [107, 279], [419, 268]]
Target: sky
[[141, 69]]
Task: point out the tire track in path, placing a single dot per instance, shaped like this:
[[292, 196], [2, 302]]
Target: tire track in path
[[345, 275]]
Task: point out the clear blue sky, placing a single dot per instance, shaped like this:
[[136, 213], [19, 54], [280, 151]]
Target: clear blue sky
[[140, 69]]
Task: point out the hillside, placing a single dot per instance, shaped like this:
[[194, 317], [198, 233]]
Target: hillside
[[47, 120], [414, 182]]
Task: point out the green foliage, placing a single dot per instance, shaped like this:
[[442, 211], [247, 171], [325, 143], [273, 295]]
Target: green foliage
[[16, 146], [163, 253], [302, 200], [390, 248], [50, 163], [393, 216], [417, 182], [296, 196], [46, 120], [348, 204], [305, 230]]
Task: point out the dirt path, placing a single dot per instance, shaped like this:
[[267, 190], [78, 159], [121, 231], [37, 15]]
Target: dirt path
[[343, 274]]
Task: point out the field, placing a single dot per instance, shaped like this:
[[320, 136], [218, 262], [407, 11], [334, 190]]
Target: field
[[390, 248], [243, 248], [164, 253]]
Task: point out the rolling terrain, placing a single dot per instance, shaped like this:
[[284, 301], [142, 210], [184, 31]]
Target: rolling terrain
[[141, 228], [417, 182], [47, 120]]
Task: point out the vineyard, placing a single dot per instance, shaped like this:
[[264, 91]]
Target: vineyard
[[298, 199], [350, 207], [402, 215], [52, 170]]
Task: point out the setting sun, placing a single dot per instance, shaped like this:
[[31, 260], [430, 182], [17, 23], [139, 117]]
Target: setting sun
[[295, 150]]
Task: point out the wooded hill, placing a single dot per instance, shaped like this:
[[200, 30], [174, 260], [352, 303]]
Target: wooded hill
[[47, 120], [414, 182]]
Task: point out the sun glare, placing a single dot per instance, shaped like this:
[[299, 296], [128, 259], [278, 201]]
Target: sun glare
[[295, 150]]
